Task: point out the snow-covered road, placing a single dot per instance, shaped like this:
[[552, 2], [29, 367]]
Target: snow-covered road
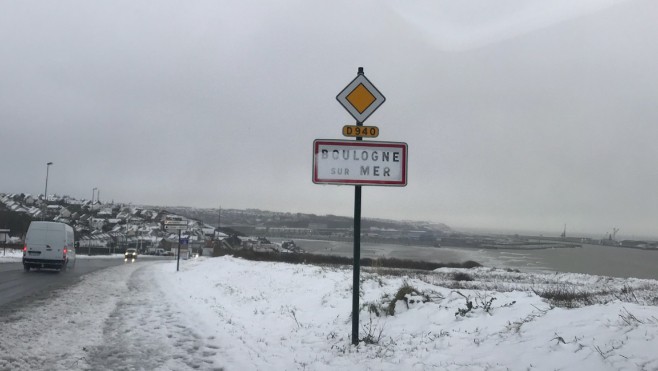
[[117, 319], [146, 332]]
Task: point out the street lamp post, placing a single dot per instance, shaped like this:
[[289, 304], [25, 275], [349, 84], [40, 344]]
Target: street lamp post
[[45, 193], [93, 191]]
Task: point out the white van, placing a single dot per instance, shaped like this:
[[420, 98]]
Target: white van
[[49, 245]]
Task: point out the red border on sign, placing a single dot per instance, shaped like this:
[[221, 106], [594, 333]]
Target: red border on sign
[[398, 145]]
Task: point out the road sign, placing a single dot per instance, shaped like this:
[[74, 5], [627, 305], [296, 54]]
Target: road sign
[[175, 225], [359, 163], [184, 241], [4, 233], [360, 131], [175, 228], [175, 222], [360, 98]]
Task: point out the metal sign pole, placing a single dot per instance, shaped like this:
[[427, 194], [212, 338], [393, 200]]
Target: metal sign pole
[[357, 265], [4, 232], [356, 272], [178, 259], [360, 98]]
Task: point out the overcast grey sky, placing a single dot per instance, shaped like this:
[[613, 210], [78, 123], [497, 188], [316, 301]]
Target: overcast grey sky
[[519, 115]]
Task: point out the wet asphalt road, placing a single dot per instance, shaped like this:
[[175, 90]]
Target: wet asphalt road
[[18, 287]]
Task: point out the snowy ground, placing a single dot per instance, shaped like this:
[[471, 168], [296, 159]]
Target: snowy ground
[[10, 255], [232, 314]]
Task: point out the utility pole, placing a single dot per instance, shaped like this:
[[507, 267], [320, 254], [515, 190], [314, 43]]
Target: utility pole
[[45, 193]]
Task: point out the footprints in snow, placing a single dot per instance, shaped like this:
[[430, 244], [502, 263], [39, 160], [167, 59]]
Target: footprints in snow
[[145, 332]]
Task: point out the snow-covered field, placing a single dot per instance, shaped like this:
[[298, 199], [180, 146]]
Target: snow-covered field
[[233, 314]]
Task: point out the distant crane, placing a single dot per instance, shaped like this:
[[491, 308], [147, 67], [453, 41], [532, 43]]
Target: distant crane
[[564, 232], [613, 236]]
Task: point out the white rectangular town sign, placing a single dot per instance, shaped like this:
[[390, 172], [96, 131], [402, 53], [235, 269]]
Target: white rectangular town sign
[[175, 225], [359, 162]]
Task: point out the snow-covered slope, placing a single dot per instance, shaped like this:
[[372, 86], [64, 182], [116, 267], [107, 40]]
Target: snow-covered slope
[[233, 314]]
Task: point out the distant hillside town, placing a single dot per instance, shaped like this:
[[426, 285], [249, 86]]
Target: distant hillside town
[[103, 228]]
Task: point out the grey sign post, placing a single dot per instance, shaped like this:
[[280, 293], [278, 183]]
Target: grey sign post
[[359, 163], [360, 98], [4, 233], [176, 225]]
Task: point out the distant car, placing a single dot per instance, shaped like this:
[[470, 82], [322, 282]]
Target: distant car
[[159, 251], [168, 253], [131, 254]]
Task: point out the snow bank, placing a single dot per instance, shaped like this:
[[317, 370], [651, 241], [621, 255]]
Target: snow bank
[[233, 314], [282, 316]]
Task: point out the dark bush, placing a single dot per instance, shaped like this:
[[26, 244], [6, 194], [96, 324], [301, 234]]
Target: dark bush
[[566, 297], [461, 276], [400, 295], [306, 258], [470, 264]]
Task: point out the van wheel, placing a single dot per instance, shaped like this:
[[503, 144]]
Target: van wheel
[[64, 267], [26, 267]]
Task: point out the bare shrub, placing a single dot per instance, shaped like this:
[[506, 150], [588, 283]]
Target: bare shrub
[[373, 332], [629, 318], [485, 302], [558, 339], [401, 294], [627, 293], [374, 308], [482, 301], [461, 276], [566, 296], [469, 305]]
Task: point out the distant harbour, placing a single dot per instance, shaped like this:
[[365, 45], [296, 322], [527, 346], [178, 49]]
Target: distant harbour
[[600, 260], [531, 246]]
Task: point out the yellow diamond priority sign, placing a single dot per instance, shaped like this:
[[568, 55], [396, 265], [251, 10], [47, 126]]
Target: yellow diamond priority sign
[[360, 98]]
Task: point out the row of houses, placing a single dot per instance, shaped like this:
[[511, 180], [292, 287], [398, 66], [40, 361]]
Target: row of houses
[[111, 228], [32, 208]]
